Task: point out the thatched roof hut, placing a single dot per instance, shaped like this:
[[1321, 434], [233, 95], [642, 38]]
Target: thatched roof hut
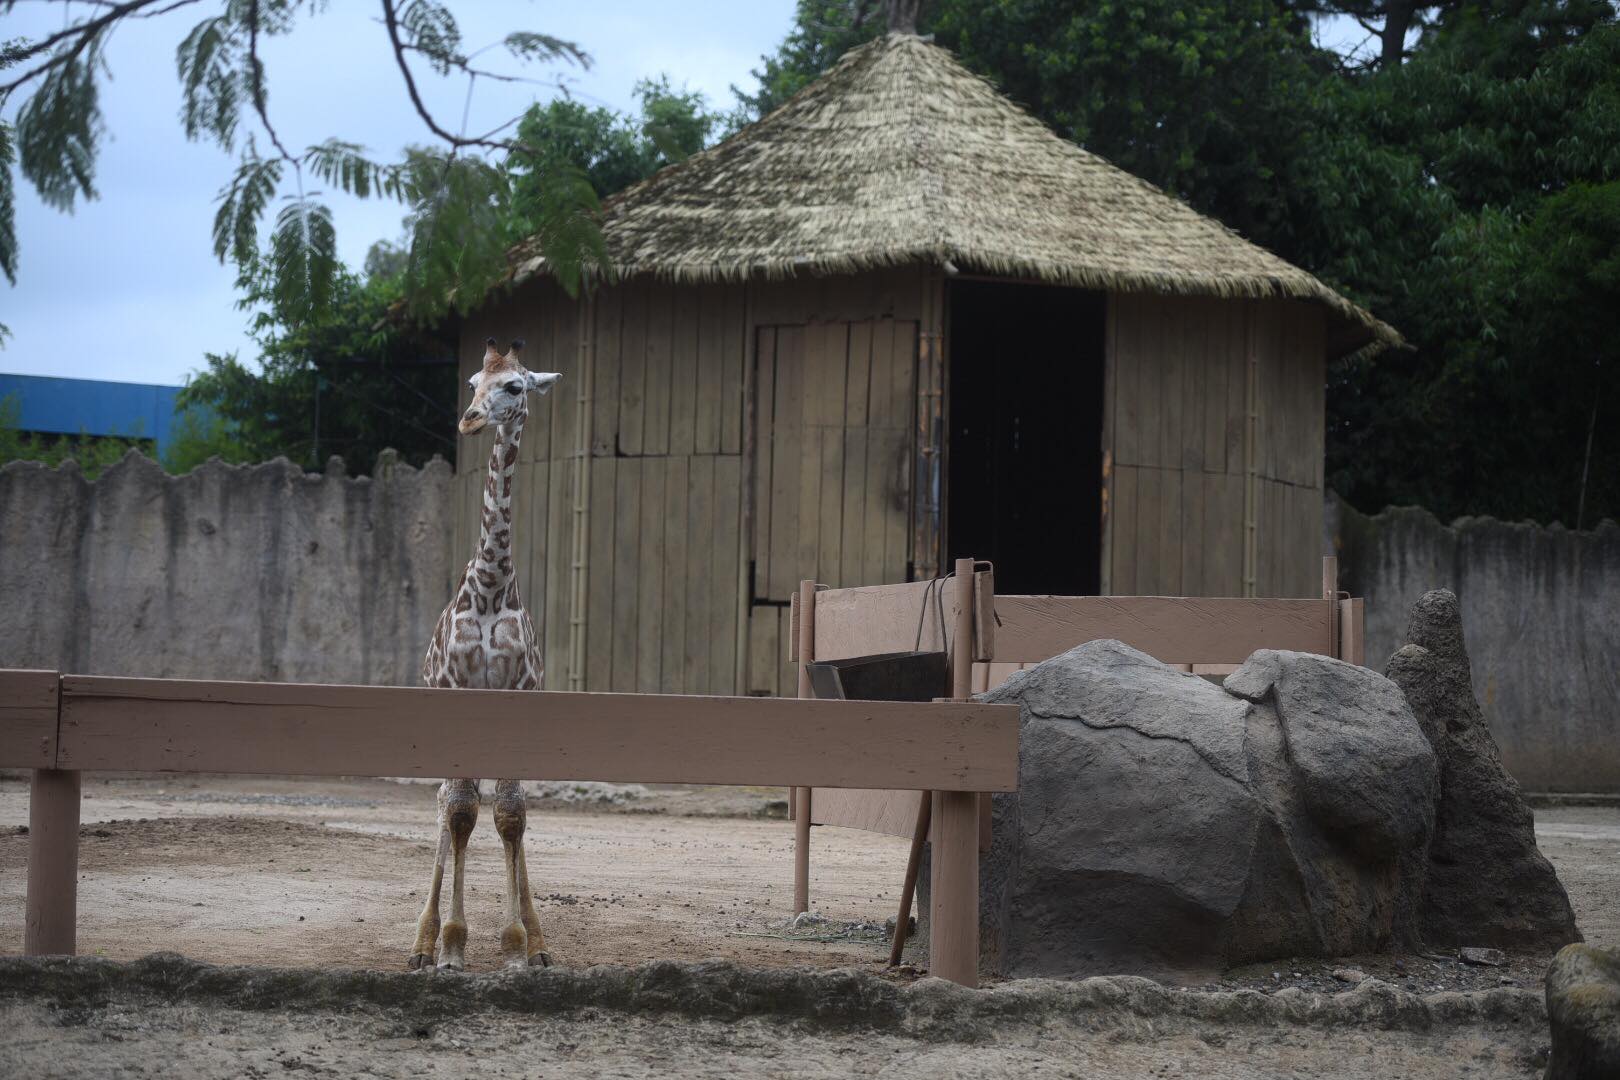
[[894, 322]]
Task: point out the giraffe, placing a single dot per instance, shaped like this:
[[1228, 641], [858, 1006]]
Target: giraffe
[[484, 640]]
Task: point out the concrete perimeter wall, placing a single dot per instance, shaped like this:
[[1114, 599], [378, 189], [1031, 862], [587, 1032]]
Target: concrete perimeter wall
[[1541, 614], [260, 572]]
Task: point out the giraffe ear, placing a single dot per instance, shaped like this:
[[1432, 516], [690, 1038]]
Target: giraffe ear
[[541, 381]]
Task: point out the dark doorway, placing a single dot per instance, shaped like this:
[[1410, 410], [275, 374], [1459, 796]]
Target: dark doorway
[[1025, 400]]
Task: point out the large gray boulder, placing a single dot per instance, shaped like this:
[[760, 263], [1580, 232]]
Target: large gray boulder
[[1583, 1012], [1167, 826], [1487, 884]]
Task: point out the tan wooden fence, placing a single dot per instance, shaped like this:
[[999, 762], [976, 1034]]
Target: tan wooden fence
[[62, 725], [987, 637]]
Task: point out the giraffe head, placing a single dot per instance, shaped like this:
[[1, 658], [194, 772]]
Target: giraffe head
[[501, 389]]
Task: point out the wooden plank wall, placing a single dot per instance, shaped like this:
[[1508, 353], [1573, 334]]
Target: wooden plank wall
[[670, 480], [665, 483], [831, 492], [1174, 438]]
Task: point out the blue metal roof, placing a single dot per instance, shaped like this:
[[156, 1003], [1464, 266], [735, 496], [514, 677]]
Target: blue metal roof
[[90, 407]]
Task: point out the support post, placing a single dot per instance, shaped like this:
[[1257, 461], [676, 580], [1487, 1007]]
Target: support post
[[908, 890], [954, 872], [1330, 593], [954, 897], [801, 796], [51, 912]]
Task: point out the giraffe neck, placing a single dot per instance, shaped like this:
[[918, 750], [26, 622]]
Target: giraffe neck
[[492, 563]]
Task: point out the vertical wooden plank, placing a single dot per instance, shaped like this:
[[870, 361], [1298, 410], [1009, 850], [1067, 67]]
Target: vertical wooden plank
[[1171, 533], [1222, 536], [787, 468], [50, 915], [1149, 523], [1128, 380], [678, 539], [660, 332], [711, 356], [683, 375], [1126, 549], [702, 590], [530, 548], [626, 571], [633, 368], [1194, 490], [733, 354], [851, 566], [764, 650], [1234, 339], [897, 545], [763, 466], [556, 559], [650, 615], [599, 579], [954, 897], [724, 574], [1170, 364], [605, 395]]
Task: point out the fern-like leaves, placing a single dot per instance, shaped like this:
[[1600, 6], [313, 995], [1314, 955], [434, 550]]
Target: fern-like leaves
[[303, 251], [241, 203]]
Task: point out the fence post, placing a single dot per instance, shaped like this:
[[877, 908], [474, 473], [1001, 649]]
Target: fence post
[[1330, 593], [51, 910], [801, 796], [954, 891]]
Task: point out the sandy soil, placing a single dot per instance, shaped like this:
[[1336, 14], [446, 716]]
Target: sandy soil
[[317, 872], [313, 872], [322, 874]]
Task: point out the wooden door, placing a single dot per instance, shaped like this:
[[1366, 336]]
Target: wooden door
[[830, 472]]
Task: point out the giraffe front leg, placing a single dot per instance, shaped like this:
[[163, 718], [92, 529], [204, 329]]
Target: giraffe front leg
[[461, 814], [539, 955], [427, 927], [522, 943]]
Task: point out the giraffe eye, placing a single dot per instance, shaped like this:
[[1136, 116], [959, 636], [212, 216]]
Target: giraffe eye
[[514, 387]]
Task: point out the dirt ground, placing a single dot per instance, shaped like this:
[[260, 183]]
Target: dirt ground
[[330, 874]]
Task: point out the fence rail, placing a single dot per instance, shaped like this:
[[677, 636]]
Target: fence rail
[[62, 725]]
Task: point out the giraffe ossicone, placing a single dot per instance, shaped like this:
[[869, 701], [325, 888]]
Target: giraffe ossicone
[[485, 640]]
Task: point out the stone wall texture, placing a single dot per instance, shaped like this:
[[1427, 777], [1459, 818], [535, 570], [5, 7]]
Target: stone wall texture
[[260, 572], [1541, 616]]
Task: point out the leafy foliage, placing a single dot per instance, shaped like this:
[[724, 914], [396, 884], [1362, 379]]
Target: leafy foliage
[[351, 382], [456, 193]]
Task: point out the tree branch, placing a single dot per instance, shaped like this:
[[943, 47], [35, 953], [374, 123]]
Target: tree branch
[[258, 84], [85, 32]]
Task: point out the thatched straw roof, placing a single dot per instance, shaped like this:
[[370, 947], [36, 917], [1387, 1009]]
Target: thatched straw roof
[[898, 156]]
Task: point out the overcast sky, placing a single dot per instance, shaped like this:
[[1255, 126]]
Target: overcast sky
[[127, 288]]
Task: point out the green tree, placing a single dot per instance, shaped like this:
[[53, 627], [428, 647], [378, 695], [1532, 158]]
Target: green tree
[[608, 149], [353, 382], [456, 191]]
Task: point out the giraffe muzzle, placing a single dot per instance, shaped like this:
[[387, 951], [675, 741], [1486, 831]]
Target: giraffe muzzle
[[472, 422]]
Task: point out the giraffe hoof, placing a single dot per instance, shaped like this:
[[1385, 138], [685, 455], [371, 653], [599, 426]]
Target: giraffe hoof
[[421, 962], [540, 959], [451, 965]]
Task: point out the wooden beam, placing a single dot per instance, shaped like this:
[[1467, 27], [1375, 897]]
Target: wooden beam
[[805, 635], [953, 945], [875, 619], [1175, 630], [1352, 643], [28, 714], [192, 726], [50, 915]]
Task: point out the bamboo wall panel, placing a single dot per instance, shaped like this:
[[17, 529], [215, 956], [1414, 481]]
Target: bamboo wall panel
[[1175, 417]]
